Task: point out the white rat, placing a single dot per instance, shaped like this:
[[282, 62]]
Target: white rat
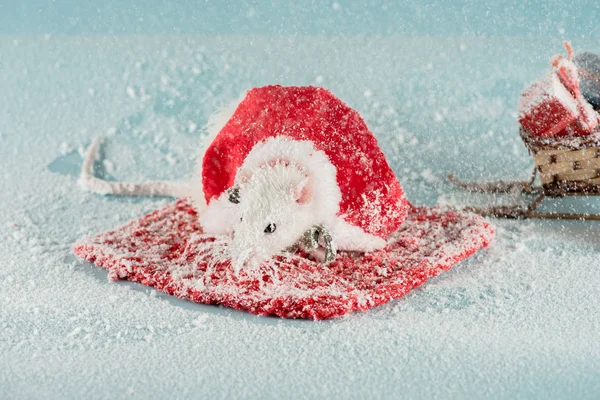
[[272, 205], [272, 209], [287, 166]]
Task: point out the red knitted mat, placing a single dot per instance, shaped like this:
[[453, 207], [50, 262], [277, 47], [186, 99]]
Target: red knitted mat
[[165, 249]]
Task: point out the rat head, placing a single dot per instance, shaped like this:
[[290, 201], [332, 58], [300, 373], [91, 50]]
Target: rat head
[[274, 206]]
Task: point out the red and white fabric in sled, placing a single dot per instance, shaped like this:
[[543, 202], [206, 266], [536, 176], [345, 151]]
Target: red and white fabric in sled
[[553, 106], [167, 250]]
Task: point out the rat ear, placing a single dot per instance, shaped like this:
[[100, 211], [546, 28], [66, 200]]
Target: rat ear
[[302, 192]]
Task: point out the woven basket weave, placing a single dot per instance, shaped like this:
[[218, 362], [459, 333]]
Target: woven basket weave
[[567, 165]]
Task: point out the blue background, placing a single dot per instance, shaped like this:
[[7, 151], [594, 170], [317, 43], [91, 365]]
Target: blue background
[[437, 83], [280, 17]]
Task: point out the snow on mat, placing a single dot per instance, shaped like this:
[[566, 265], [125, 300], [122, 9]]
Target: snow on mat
[[167, 250]]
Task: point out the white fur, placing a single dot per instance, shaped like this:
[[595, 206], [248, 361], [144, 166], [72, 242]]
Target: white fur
[[267, 196], [222, 217], [352, 238], [322, 173]]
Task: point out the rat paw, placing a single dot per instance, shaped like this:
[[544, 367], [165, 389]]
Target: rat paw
[[318, 242]]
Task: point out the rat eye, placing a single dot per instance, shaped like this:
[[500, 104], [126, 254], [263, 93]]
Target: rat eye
[[270, 228]]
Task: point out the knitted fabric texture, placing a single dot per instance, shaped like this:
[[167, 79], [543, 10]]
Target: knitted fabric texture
[[167, 250]]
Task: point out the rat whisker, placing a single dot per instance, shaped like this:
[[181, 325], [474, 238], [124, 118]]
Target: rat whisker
[[240, 262]]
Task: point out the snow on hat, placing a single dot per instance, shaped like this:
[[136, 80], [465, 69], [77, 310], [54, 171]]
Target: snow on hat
[[167, 248], [370, 195]]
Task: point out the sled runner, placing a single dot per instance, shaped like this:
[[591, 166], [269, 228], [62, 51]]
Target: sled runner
[[559, 126]]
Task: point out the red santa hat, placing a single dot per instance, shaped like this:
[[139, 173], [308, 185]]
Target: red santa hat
[[320, 132]]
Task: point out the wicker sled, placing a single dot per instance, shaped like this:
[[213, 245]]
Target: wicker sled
[[565, 168], [567, 164]]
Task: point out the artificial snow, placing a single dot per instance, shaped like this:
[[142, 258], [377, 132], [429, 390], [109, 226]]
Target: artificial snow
[[518, 320]]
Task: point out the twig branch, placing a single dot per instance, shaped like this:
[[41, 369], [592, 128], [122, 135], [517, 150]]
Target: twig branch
[[497, 186]]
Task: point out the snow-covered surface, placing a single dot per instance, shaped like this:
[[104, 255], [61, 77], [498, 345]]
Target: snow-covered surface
[[519, 319]]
